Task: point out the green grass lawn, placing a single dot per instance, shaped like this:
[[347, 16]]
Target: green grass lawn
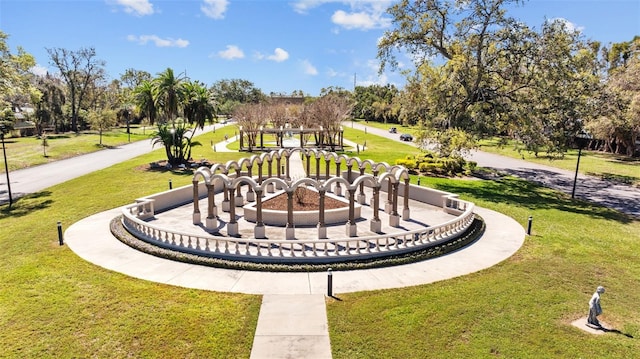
[[25, 152], [53, 304], [604, 165], [521, 308]]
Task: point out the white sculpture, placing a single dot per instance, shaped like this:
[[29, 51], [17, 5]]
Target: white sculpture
[[594, 307]]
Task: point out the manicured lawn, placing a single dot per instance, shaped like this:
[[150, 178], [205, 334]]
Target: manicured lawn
[[25, 152], [604, 165], [53, 304], [521, 308]]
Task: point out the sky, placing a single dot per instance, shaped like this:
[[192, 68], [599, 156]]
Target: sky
[[279, 45]]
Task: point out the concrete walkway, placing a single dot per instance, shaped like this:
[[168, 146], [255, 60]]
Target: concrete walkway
[[292, 326], [91, 239], [623, 198], [292, 322], [37, 178]]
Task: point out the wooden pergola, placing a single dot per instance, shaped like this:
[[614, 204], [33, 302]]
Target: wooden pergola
[[322, 138]]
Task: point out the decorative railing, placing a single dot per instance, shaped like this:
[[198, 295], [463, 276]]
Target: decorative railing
[[299, 251]]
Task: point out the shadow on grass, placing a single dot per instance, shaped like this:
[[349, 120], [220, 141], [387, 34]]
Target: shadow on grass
[[616, 178], [187, 170], [522, 193], [615, 331], [56, 137], [106, 147], [26, 205]]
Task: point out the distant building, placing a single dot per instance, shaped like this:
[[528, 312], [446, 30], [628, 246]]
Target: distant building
[[22, 124]]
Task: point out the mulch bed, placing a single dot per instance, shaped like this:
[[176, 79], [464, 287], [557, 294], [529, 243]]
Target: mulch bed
[[303, 200], [161, 166]]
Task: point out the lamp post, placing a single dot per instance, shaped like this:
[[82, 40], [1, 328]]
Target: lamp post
[[6, 165], [128, 117], [581, 139]]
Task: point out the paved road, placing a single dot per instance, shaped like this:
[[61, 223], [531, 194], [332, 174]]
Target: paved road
[[37, 178], [620, 197]]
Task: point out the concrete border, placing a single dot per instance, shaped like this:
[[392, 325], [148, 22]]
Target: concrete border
[[92, 240]]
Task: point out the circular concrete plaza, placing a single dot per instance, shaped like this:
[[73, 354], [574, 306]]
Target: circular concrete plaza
[[180, 219], [91, 239]]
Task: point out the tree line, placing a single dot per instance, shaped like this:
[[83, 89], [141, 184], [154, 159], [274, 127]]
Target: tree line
[[483, 72], [477, 72]]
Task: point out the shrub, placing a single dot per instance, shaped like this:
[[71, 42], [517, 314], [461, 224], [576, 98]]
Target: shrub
[[410, 164], [430, 167]]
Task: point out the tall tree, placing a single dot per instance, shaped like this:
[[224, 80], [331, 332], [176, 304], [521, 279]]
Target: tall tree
[[376, 103], [197, 104], [49, 109], [79, 69], [565, 78], [167, 90], [230, 93], [617, 123], [465, 36], [15, 85], [482, 71], [133, 78], [144, 97]]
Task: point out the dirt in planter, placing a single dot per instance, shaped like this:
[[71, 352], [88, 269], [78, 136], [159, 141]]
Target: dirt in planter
[[307, 200]]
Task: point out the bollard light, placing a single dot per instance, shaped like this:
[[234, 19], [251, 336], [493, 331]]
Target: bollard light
[[418, 181], [170, 184], [60, 239], [529, 225], [329, 283]]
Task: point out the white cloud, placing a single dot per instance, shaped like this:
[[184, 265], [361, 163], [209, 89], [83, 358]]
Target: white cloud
[[214, 9], [302, 6], [371, 80], [231, 53], [361, 14], [158, 41], [373, 65], [279, 55], [308, 68], [359, 20], [39, 70], [571, 27], [136, 7]]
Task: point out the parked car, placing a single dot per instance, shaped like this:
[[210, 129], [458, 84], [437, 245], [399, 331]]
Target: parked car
[[406, 137], [393, 130]]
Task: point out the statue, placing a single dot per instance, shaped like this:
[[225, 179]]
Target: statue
[[594, 307]]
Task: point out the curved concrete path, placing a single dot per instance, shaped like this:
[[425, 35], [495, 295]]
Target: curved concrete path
[[91, 239], [621, 197], [31, 179], [293, 321]]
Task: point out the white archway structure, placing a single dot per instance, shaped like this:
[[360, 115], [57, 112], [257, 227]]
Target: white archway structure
[[260, 183]]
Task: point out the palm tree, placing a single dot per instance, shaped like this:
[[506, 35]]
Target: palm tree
[[197, 104], [145, 99], [177, 141], [168, 89]]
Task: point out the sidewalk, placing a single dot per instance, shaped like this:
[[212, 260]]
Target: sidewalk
[[292, 321], [37, 178], [623, 198]]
